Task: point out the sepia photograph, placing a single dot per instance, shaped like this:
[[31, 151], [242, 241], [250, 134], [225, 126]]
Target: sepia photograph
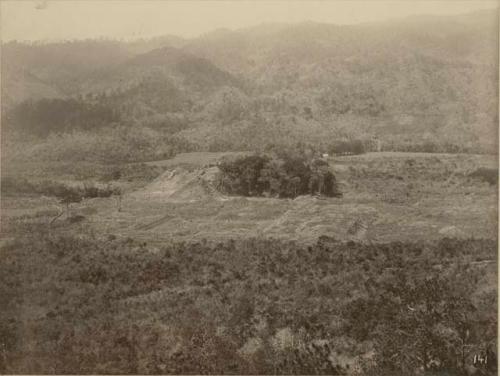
[[266, 187]]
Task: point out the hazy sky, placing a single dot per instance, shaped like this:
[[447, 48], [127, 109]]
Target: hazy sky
[[66, 19]]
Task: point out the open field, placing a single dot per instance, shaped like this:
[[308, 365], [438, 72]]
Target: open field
[[387, 196]]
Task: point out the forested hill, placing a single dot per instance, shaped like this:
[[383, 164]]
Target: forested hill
[[409, 81]]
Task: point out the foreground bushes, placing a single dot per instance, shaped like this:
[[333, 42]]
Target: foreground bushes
[[247, 306]]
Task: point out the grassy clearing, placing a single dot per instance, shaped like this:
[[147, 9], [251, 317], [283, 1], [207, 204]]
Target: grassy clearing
[[395, 196]]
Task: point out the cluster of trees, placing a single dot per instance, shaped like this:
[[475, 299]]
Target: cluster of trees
[[286, 176], [47, 116], [13, 185], [254, 306]]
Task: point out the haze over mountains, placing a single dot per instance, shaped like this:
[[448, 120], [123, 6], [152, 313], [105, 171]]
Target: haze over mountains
[[410, 80]]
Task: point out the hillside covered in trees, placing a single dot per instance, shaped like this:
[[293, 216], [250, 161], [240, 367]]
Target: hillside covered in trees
[[417, 84]]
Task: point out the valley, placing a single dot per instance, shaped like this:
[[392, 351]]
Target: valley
[[284, 198]]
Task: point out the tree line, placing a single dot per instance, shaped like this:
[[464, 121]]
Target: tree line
[[47, 116]]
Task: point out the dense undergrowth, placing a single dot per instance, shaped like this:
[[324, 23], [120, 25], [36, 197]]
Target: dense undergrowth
[[87, 305]]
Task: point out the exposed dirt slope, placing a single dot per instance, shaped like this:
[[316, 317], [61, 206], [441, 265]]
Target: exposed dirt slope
[[180, 185]]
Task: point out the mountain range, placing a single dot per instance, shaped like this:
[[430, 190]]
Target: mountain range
[[418, 79]]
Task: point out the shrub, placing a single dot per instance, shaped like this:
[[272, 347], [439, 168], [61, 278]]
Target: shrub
[[489, 175]]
